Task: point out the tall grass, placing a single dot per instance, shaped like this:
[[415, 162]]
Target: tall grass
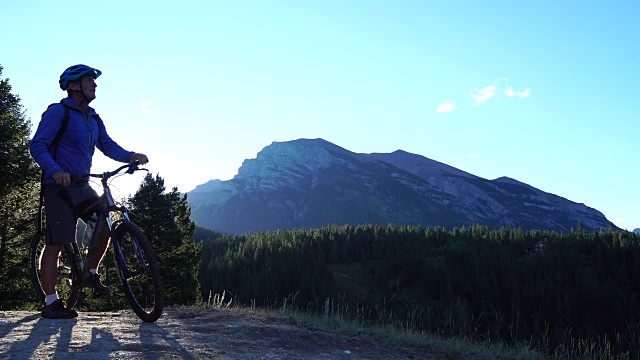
[[334, 313]]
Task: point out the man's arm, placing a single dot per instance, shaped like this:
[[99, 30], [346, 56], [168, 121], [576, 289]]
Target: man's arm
[[111, 149], [45, 134]]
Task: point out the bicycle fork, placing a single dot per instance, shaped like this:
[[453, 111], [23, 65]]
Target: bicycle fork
[[128, 273]]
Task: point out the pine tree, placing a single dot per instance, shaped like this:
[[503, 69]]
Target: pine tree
[[18, 186], [165, 219]]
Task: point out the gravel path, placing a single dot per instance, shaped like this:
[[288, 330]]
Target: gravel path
[[186, 333]]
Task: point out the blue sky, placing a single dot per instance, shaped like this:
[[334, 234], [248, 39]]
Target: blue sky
[[540, 91]]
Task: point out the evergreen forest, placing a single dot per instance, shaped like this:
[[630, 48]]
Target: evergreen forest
[[546, 288]]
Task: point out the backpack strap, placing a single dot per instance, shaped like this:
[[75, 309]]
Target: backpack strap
[[63, 128]]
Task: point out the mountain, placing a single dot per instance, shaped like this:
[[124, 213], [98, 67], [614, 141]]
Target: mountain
[[636, 230], [312, 183]]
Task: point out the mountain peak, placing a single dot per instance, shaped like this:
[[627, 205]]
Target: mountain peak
[[420, 165], [285, 163], [508, 180], [309, 143]]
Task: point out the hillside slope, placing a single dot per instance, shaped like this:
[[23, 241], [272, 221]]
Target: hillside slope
[[314, 183]]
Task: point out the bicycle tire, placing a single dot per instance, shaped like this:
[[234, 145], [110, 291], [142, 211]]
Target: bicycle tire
[[141, 280], [66, 268]]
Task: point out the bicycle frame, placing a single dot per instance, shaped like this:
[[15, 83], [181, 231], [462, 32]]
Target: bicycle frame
[[108, 205]]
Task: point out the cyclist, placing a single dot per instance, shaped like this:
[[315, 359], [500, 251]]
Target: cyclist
[[63, 152]]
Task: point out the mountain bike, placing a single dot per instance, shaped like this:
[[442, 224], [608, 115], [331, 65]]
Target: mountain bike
[[135, 260]]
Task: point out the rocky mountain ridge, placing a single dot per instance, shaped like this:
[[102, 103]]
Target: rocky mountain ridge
[[314, 183]]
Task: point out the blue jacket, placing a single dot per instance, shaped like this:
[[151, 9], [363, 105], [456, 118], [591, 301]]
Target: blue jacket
[[76, 146]]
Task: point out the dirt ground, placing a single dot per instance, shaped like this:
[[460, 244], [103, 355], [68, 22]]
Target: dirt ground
[[190, 333]]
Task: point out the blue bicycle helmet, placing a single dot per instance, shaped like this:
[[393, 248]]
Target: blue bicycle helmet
[[76, 72]]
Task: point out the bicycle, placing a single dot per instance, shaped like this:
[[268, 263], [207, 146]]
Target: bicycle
[[135, 260]]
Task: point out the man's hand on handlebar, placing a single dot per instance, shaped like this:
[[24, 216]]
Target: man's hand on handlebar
[[62, 178], [141, 158]]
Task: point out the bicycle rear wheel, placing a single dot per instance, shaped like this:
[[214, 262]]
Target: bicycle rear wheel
[[138, 270], [67, 287]]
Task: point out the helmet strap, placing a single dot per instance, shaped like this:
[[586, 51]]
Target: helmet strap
[[85, 99]]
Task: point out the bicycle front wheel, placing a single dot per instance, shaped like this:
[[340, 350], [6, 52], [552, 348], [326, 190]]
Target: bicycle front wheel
[[138, 270], [68, 286]]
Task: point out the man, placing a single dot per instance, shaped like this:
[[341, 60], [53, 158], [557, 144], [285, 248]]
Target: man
[[62, 153]]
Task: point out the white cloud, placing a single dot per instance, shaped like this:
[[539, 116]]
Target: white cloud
[[446, 107], [521, 94], [483, 95], [145, 107]]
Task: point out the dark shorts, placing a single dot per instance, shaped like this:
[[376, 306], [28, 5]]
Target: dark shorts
[[64, 206]]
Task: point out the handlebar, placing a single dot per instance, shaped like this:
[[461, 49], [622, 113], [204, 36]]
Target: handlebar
[[131, 168]]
